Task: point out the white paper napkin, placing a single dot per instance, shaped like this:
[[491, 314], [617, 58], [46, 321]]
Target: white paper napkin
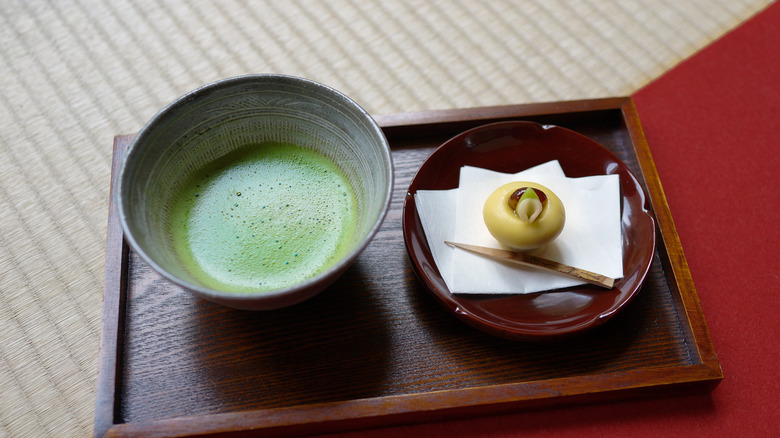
[[591, 238]]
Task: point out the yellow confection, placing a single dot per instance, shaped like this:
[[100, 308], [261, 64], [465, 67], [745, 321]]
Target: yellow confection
[[513, 232]]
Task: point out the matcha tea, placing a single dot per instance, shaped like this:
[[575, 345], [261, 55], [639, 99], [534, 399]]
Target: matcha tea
[[265, 217]]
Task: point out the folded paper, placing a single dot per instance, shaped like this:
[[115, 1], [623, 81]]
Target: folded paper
[[591, 238]]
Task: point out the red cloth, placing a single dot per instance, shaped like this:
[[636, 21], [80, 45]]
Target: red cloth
[[712, 124]]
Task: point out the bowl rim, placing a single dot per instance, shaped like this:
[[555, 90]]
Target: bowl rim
[[328, 275]]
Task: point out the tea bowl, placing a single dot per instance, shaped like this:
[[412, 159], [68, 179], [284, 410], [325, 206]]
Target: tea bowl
[[219, 120]]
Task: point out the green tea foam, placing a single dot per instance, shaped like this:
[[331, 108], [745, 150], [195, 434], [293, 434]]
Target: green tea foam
[[265, 217]]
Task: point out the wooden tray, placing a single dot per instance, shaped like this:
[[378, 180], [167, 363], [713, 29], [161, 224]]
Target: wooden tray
[[375, 348]]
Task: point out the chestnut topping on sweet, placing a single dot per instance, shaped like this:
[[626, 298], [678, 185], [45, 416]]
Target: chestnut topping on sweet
[[517, 194]]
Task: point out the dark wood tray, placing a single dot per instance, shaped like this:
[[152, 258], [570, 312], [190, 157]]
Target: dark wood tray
[[375, 348]]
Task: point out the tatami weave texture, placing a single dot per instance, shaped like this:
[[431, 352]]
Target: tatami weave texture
[[73, 73]]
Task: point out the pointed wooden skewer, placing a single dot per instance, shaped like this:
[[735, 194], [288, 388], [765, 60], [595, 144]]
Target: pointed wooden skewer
[[537, 262]]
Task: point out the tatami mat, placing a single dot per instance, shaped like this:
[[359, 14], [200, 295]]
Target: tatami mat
[[75, 73]]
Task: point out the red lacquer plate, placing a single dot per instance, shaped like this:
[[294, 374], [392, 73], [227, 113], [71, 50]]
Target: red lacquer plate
[[511, 147]]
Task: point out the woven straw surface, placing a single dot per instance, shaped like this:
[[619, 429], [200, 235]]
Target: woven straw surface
[[77, 72]]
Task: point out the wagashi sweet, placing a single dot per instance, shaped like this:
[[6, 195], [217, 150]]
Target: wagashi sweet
[[524, 215]]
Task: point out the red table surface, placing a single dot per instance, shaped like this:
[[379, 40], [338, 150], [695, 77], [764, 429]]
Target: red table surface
[[712, 124]]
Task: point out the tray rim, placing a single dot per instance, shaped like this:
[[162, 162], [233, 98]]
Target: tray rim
[[437, 405]]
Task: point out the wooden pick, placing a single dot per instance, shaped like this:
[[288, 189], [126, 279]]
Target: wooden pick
[[537, 262]]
